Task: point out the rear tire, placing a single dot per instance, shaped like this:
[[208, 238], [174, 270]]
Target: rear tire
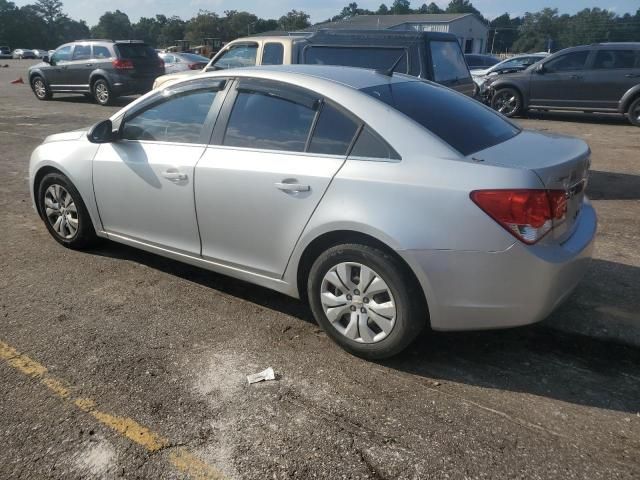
[[376, 310], [102, 92], [507, 101], [64, 213], [633, 113], [40, 88]]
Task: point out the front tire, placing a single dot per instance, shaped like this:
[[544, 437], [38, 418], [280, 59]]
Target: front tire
[[365, 300], [507, 101], [633, 114], [102, 92], [40, 88], [64, 213]]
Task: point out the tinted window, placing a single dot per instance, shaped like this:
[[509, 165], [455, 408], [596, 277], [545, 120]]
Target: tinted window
[[370, 145], [259, 120], [238, 56], [101, 52], [363, 57], [168, 58], [192, 57], [333, 133], [136, 50], [272, 54], [178, 119], [448, 62], [63, 54], [612, 59], [82, 52], [465, 124], [569, 62]]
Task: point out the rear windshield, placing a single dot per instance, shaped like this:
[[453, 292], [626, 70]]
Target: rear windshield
[[192, 57], [465, 124], [136, 50], [363, 57]]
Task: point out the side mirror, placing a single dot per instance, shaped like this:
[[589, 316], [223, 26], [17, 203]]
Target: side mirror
[[45, 59], [102, 132], [540, 69]]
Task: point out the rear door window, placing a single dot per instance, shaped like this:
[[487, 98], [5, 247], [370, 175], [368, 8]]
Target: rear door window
[[363, 57], [466, 125], [333, 132], [272, 54], [238, 56], [616, 59], [447, 62], [179, 119], [264, 118], [81, 52]]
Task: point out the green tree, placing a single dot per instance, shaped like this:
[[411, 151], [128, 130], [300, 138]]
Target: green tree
[[382, 10], [462, 6], [400, 7], [537, 30], [113, 25], [503, 31], [431, 8], [294, 20], [205, 24], [173, 29]]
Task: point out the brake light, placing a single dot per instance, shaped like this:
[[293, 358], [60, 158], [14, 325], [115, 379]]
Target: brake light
[[120, 64], [527, 214]]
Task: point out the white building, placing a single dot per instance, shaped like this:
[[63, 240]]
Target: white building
[[472, 33]]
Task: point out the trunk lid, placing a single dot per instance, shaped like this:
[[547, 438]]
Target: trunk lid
[[146, 62], [561, 163]]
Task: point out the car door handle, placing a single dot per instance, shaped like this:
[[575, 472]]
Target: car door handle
[[292, 187], [174, 175]]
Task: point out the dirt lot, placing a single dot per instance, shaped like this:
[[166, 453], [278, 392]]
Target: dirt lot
[[116, 363]]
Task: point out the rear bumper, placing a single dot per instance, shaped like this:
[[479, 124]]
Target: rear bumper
[[518, 286], [125, 85]]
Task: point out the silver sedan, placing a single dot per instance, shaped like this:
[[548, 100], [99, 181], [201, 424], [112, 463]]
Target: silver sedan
[[389, 203]]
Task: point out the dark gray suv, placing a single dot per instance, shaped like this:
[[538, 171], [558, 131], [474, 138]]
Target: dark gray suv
[[602, 77], [102, 69]]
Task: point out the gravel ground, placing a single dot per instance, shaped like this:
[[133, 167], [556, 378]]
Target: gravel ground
[[166, 347]]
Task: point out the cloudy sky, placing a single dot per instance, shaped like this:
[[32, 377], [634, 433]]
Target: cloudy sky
[[318, 9]]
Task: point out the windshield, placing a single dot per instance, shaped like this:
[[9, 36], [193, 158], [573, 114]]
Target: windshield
[[191, 57], [466, 125]]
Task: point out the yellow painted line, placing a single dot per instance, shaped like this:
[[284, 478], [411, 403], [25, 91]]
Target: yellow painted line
[[180, 457]]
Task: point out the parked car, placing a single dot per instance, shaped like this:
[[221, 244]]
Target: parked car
[[428, 55], [510, 65], [389, 203], [476, 61], [601, 77], [180, 62], [21, 53], [5, 52], [103, 69], [40, 53]]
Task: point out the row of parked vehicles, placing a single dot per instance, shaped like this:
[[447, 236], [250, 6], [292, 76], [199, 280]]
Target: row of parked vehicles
[[23, 53], [592, 78]]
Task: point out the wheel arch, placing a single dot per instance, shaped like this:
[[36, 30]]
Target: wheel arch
[[99, 75], [332, 238], [628, 98], [37, 179], [517, 88]]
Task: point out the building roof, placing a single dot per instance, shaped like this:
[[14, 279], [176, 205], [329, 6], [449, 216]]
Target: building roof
[[389, 21]]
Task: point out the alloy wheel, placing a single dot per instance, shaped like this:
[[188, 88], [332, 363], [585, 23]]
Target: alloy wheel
[[358, 302], [506, 102], [39, 88], [102, 93], [61, 211]]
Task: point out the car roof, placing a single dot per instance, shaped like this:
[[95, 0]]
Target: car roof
[[357, 78]]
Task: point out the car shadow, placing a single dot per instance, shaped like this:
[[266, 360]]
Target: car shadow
[[613, 186], [538, 360], [118, 102], [578, 117]]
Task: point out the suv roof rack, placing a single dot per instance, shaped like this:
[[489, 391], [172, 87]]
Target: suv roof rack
[[129, 41], [94, 40]]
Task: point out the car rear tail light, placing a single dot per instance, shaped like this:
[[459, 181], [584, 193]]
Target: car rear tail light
[[120, 64], [527, 214]]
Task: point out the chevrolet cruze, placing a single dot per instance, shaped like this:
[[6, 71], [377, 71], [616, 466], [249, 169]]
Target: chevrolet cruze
[[388, 202]]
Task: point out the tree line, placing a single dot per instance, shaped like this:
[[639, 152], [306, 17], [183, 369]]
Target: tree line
[[44, 25]]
